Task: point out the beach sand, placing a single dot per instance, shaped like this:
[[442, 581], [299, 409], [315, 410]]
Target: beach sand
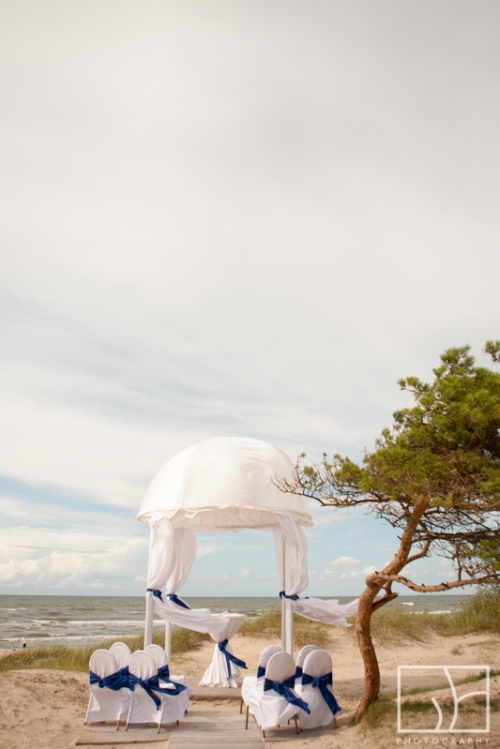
[[42, 709]]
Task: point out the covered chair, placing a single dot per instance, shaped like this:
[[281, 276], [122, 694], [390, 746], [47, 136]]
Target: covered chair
[[256, 681], [109, 694], [165, 679], [316, 689], [278, 703], [122, 653], [149, 702], [301, 656]]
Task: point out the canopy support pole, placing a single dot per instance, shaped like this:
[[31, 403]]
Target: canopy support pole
[[283, 600], [148, 628], [289, 626], [168, 640]]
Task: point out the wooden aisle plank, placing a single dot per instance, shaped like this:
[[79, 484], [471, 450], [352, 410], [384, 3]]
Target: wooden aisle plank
[[216, 729]]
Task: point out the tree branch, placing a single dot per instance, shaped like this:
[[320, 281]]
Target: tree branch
[[380, 576]]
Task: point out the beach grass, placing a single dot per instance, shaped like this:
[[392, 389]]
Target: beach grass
[[268, 625], [64, 658], [394, 624], [479, 613]]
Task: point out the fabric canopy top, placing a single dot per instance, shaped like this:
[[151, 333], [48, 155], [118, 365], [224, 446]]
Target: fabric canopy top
[[224, 483]]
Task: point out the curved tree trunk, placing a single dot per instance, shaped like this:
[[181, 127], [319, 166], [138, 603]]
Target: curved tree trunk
[[372, 672]]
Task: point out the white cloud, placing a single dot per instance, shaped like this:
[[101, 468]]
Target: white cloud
[[344, 562], [245, 572], [357, 574], [200, 213]]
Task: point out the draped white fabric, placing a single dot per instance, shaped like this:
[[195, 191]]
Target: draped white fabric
[[330, 612], [172, 552], [216, 674], [295, 577]]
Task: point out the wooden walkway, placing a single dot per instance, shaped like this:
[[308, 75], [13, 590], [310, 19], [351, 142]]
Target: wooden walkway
[[217, 729]]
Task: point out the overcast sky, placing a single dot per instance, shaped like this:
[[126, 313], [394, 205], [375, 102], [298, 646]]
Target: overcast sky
[[242, 218]]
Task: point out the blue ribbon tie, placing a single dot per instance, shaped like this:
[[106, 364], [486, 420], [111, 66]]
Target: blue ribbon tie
[[114, 681], [148, 685], [175, 599], [164, 672], [322, 683], [298, 672], [290, 598], [285, 689], [156, 593], [154, 683], [261, 671], [230, 657]]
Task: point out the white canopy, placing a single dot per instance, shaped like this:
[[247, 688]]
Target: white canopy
[[224, 483]]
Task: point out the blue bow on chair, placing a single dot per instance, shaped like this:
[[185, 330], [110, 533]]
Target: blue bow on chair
[[230, 657], [148, 685], [114, 681], [322, 683], [154, 683], [285, 689]]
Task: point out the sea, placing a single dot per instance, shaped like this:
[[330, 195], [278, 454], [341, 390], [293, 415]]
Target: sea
[[40, 621]]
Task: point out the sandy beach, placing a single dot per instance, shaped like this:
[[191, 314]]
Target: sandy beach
[[41, 708]]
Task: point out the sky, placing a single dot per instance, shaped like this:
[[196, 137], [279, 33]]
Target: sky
[[236, 218]]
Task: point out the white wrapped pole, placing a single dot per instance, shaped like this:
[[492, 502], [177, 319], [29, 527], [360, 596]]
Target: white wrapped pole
[[289, 626], [148, 628], [168, 640], [283, 600]]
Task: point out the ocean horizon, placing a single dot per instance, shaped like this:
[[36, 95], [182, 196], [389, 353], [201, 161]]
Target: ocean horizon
[[41, 620]]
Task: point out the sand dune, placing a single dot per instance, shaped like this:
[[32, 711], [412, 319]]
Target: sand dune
[[41, 709]]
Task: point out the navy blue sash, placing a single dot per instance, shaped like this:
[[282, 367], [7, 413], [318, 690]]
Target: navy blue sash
[[290, 598], [175, 599], [285, 689], [230, 657], [148, 685], [261, 671], [156, 593], [154, 683], [322, 683], [114, 681], [164, 672], [298, 672]]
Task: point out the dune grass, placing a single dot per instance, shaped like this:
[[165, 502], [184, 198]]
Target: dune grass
[[268, 625], [479, 613], [394, 624], [64, 658]]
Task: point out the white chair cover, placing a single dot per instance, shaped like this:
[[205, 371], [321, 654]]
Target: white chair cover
[[301, 656], [317, 663], [122, 653], [160, 658], [254, 681], [270, 708], [142, 708], [105, 704]]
